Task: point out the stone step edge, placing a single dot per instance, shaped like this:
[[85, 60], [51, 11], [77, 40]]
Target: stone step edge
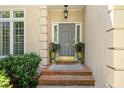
[[64, 77], [66, 73]]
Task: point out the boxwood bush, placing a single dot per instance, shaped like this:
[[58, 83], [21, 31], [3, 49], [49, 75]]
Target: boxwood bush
[[22, 69], [4, 79]]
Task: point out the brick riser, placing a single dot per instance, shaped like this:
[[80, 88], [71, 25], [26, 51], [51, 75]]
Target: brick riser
[[68, 81], [80, 73]]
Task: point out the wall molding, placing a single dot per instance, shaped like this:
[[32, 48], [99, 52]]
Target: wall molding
[[116, 8], [116, 48], [114, 29], [115, 68], [110, 29]]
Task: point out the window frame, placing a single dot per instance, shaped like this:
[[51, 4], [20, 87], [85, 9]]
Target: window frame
[[12, 20]]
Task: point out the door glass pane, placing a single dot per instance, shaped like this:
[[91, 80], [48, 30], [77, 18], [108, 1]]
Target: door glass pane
[[18, 38], [78, 33], [55, 33], [4, 38], [4, 14], [18, 14]]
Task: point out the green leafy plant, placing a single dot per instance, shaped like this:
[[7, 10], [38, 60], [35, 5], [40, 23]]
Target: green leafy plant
[[53, 50], [54, 47], [79, 48], [4, 80], [22, 69]]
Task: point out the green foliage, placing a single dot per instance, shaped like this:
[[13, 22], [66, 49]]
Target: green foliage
[[53, 50], [54, 47], [23, 68], [4, 80], [79, 46]]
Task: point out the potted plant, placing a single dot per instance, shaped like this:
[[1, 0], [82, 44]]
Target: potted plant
[[79, 48], [53, 50]]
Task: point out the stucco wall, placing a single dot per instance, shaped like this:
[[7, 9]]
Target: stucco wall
[[96, 23], [58, 16]]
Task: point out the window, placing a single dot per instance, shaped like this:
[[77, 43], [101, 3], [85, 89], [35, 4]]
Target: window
[[11, 32], [4, 38], [55, 33], [18, 14], [4, 14], [78, 33], [18, 37]]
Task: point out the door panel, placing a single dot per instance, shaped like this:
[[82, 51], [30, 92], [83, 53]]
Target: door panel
[[66, 39]]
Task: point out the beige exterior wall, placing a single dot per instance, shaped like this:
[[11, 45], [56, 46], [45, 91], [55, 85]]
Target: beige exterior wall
[[96, 22], [58, 16]]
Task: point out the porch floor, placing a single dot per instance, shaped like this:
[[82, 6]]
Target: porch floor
[[66, 75]]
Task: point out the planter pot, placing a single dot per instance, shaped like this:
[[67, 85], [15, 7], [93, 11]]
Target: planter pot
[[53, 57], [80, 57]]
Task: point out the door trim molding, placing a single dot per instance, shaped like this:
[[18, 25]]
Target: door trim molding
[[57, 24]]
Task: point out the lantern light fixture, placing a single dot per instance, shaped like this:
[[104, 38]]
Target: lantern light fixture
[[65, 12]]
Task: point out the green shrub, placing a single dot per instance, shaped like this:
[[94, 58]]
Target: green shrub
[[22, 69], [79, 46], [4, 80]]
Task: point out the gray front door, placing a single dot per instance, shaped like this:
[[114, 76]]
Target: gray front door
[[66, 39]]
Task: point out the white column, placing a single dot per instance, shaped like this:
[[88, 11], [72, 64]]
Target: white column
[[115, 48], [44, 35]]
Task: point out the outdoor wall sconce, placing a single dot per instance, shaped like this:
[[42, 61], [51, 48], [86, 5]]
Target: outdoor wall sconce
[[65, 12]]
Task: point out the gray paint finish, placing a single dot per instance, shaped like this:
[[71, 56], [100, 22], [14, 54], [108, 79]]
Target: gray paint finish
[[66, 39]]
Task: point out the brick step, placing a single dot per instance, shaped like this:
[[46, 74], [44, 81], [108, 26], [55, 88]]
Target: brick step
[[85, 71], [66, 80], [80, 73]]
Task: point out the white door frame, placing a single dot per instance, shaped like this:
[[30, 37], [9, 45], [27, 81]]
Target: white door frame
[[57, 24]]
